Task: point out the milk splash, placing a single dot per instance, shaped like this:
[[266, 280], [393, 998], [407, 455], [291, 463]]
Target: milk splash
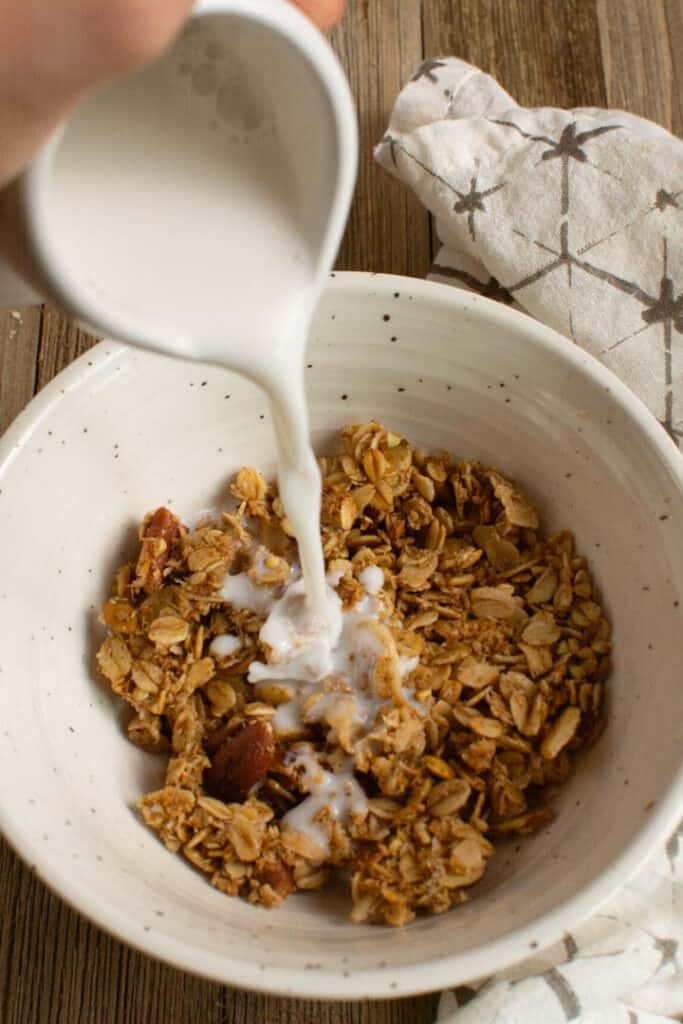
[[326, 665]]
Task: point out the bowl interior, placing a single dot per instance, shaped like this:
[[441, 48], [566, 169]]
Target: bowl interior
[[123, 431]]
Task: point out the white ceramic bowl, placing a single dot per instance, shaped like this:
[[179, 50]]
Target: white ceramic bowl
[[120, 432]]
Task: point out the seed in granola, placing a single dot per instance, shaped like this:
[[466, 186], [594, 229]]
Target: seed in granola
[[541, 630], [350, 467], [518, 508], [476, 673], [501, 553], [424, 486], [497, 603], [562, 730], [490, 728], [147, 676], [437, 766], [362, 497], [348, 511], [468, 858], [416, 568], [539, 710], [199, 673], [374, 464], [539, 659], [222, 697], [272, 693], [168, 630], [114, 659], [564, 596], [544, 588], [449, 797], [384, 496], [435, 536]]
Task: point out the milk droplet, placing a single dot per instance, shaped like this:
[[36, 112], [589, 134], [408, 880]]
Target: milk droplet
[[339, 792], [372, 579], [224, 645], [242, 593]]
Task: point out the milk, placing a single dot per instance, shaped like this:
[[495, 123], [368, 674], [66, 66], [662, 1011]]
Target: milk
[[326, 669], [215, 193], [337, 792], [203, 282]]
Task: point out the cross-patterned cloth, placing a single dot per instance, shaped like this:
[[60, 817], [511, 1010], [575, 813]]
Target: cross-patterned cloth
[[624, 966], [576, 217]]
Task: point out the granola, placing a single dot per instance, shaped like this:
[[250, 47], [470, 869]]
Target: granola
[[480, 676]]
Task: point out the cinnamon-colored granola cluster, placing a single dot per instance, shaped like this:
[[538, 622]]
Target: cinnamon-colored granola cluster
[[504, 626]]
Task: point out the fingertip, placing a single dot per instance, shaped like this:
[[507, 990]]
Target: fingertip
[[325, 13], [130, 33]]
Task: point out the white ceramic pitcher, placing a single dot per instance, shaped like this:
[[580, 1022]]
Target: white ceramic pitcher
[[193, 189]]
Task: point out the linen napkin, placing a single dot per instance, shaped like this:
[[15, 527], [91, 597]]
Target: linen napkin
[[576, 217]]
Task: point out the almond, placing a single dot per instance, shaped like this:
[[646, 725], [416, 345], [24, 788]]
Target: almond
[[240, 762], [160, 534]]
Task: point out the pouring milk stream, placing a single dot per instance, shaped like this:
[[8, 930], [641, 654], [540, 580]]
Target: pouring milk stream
[[196, 209]]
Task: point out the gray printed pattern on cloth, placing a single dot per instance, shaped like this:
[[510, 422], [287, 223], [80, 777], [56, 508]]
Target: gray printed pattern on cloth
[[625, 966], [575, 217]]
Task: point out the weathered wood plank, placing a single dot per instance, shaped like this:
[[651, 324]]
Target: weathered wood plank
[[674, 29], [544, 52], [61, 341], [379, 45], [637, 57], [55, 968], [19, 333]]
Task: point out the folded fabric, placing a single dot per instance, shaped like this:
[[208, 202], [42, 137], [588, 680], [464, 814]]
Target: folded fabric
[[576, 217], [624, 966]]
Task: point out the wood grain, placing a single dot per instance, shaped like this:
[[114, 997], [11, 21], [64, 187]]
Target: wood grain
[[380, 44], [61, 341], [19, 333], [674, 33], [634, 35], [55, 968], [544, 52]]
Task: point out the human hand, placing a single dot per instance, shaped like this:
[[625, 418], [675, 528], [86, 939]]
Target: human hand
[[325, 13], [51, 54]]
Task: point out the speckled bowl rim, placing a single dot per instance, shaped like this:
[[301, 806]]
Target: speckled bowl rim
[[433, 974]]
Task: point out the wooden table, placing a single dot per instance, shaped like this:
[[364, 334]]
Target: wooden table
[[54, 966]]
